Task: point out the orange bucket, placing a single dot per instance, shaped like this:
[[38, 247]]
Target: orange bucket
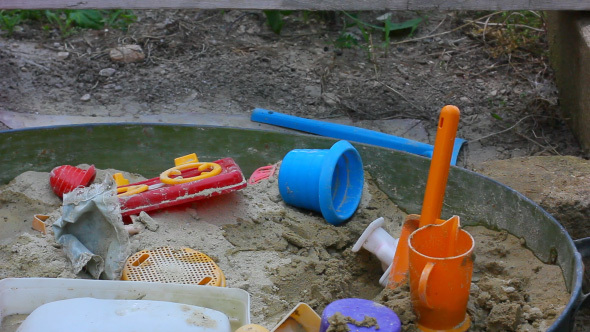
[[440, 269]]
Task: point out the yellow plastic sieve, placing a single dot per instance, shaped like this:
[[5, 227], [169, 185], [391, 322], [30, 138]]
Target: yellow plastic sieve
[[168, 265]]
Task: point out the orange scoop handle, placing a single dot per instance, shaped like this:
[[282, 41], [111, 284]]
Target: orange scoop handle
[[440, 164]]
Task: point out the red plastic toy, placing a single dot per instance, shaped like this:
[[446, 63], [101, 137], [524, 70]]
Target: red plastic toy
[[66, 178], [160, 195]]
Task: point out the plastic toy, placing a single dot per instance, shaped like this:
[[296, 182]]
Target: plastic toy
[[262, 173], [351, 133], [434, 193], [188, 181], [168, 265], [441, 265], [327, 181], [302, 318], [376, 240], [66, 178], [358, 310]]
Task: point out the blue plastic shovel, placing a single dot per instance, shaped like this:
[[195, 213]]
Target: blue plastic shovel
[[350, 133]]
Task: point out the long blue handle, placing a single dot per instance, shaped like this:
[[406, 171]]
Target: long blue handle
[[351, 133]]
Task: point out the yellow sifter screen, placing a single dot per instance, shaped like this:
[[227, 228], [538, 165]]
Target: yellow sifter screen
[[168, 265]]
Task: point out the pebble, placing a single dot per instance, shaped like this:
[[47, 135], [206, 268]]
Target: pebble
[[313, 91], [331, 99], [63, 55], [127, 54], [85, 97], [148, 221], [510, 289], [107, 72], [465, 100]]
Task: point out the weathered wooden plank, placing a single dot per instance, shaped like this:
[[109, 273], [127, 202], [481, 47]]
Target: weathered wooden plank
[[305, 4]]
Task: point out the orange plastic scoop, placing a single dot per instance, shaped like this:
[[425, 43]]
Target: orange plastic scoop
[[435, 192]]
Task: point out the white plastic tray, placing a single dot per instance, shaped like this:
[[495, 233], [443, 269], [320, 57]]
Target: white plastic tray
[[23, 295]]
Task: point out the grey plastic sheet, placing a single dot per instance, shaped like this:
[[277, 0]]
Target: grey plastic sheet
[[91, 230]]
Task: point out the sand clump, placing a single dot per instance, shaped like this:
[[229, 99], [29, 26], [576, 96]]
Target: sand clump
[[283, 255]]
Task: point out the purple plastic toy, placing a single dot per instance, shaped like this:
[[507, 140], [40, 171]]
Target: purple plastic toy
[[357, 309]]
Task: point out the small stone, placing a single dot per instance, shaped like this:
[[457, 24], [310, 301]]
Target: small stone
[[275, 198], [510, 289], [493, 93], [465, 100], [85, 97], [331, 99], [63, 55], [148, 221], [127, 53], [107, 72], [314, 91]]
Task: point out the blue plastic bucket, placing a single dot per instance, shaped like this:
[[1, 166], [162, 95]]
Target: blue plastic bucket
[[329, 181]]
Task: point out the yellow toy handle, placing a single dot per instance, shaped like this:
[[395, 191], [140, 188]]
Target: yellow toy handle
[[131, 190], [207, 169]]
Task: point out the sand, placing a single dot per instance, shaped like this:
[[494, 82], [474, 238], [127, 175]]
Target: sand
[[283, 255]]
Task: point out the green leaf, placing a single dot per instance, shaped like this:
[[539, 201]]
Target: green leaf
[[87, 18], [9, 19], [52, 17], [388, 26], [274, 20], [345, 41], [496, 116], [120, 18], [409, 24], [360, 22]]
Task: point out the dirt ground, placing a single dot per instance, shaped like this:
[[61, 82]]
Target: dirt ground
[[229, 62]]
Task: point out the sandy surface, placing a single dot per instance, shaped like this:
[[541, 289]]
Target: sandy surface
[[283, 255]]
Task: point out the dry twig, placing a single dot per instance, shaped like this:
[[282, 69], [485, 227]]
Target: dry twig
[[501, 131], [446, 32], [402, 96]]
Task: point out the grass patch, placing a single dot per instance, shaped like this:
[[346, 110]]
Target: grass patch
[[512, 32], [67, 21]]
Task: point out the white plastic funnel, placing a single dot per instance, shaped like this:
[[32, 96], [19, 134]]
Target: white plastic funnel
[[376, 240]]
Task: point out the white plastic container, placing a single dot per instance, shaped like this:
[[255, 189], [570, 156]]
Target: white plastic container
[[23, 295], [87, 314]]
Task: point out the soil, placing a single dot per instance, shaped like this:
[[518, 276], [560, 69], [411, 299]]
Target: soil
[[228, 63]]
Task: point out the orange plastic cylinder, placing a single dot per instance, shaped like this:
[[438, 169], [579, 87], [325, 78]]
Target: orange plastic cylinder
[[440, 269]]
